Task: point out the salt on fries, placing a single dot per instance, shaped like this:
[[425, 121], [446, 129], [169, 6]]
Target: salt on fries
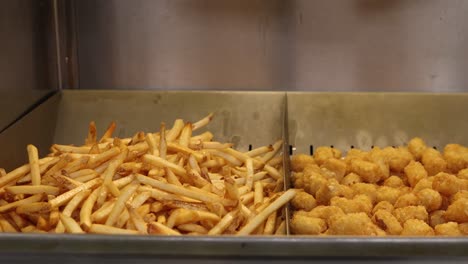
[[171, 182]]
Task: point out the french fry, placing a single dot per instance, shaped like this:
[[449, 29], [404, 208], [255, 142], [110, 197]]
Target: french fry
[[269, 155], [185, 135], [160, 229], [35, 207], [202, 122], [110, 230], [100, 215], [92, 134], [6, 226], [65, 197], [223, 223], [20, 222], [159, 162], [162, 142], [249, 180], [34, 164], [263, 215], [152, 146], [87, 208], [258, 193], [32, 199], [71, 225], [32, 189], [138, 222], [174, 132], [20, 172], [270, 224], [120, 203], [259, 151], [281, 230], [193, 228], [109, 131]]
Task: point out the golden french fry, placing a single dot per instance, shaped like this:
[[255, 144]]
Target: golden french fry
[[65, 197], [92, 134], [185, 135], [263, 215], [193, 228], [32, 189], [120, 203], [269, 155], [202, 122], [110, 230], [32, 199], [6, 226], [174, 133], [223, 223], [109, 131], [33, 156], [270, 224], [138, 221], [87, 208], [71, 225], [20, 172], [160, 229], [35, 207], [159, 162]]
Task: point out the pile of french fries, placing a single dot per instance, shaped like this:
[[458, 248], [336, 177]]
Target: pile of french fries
[[167, 183]]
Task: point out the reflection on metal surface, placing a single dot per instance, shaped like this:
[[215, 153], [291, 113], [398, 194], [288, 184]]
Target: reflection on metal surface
[[365, 45], [363, 120], [27, 71]]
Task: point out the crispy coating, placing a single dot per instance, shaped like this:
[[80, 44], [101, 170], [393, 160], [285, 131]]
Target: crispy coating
[[370, 190], [369, 171], [417, 146], [298, 179], [332, 189], [303, 201], [321, 154], [358, 224], [387, 222], [463, 174], [448, 184], [437, 218], [458, 211], [350, 179], [430, 199], [383, 205], [398, 158], [448, 229], [306, 225], [360, 203], [463, 228], [424, 184], [459, 195], [389, 194], [300, 161], [326, 212], [416, 227], [410, 212], [353, 154], [378, 157], [338, 167], [433, 161], [394, 181], [456, 157], [415, 172], [407, 199]]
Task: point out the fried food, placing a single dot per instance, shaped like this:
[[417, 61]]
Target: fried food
[[411, 190], [168, 182]]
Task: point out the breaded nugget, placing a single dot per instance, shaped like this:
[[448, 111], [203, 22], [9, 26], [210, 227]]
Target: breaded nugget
[[447, 184], [417, 146], [338, 167], [314, 182], [306, 225], [430, 199], [358, 224], [463, 174], [389, 194], [368, 189], [416, 227], [458, 211], [369, 171], [326, 212], [350, 179], [410, 212], [437, 218], [394, 182], [448, 229], [360, 203], [433, 161], [463, 228], [383, 205], [398, 158], [459, 195], [332, 189], [407, 199], [424, 184], [321, 154], [415, 172], [456, 157], [387, 222], [300, 161], [303, 201]]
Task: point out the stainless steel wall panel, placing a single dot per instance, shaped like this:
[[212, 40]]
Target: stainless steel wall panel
[[356, 45], [27, 57]]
